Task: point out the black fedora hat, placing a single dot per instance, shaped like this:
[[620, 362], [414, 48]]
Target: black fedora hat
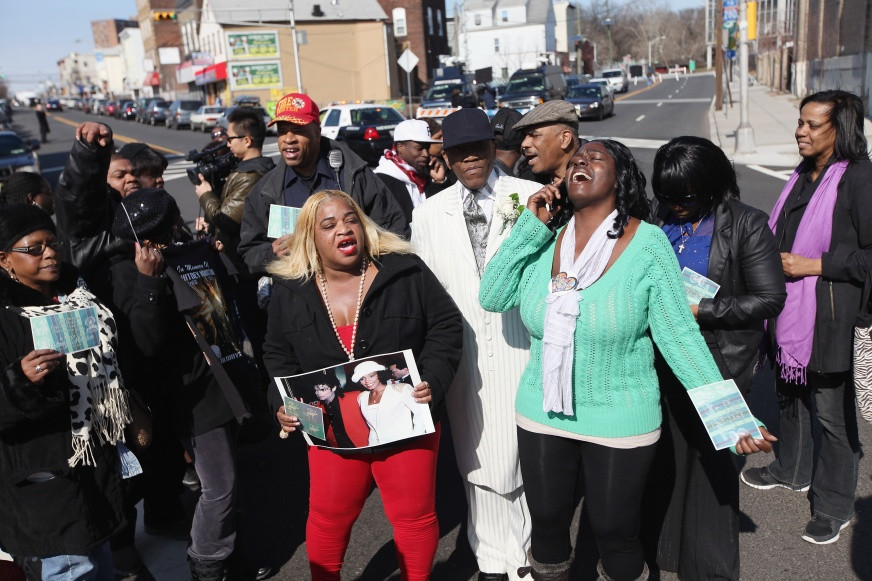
[[466, 125]]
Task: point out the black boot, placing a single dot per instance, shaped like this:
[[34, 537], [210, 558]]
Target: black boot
[[546, 571], [206, 570]]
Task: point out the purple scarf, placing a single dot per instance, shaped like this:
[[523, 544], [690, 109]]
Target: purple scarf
[[794, 331]]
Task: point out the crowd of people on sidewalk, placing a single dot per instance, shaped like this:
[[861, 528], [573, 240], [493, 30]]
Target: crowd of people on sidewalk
[[499, 278]]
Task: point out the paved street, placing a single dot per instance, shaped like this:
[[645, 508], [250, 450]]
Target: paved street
[[273, 474]]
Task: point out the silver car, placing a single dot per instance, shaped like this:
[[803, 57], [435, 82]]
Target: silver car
[[179, 113]]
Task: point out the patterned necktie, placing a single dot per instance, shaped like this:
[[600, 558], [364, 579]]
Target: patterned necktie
[[477, 226]]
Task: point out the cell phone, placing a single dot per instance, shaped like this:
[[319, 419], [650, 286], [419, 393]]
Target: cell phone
[[561, 209]]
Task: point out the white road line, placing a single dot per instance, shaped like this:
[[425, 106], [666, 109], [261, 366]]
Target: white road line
[[660, 104], [770, 172], [652, 101], [639, 118]]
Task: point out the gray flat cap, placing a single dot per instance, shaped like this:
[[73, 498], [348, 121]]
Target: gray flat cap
[[549, 113]]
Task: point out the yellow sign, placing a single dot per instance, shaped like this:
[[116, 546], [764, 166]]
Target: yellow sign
[[751, 14]]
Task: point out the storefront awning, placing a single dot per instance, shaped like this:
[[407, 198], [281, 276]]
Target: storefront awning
[[211, 74], [151, 79]]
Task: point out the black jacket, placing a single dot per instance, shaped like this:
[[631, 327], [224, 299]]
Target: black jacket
[[405, 308], [170, 370], [81, 507], [400, 192], [744, 260], [85, 209], [368, 191], [844, 266]]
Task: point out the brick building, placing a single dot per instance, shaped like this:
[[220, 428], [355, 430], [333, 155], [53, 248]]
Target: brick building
[[106, 31], [161, 42], [419, 25]]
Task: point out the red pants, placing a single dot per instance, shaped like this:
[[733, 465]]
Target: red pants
[[340, 484]]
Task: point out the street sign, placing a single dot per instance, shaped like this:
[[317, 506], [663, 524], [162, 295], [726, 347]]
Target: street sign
[[407, 61], [730, 54], [731, 3]]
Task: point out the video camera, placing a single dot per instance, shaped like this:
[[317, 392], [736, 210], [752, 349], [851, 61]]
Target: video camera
[[215, 162]]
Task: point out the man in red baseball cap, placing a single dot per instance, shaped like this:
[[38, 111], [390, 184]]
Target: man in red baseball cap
[[312, 163]]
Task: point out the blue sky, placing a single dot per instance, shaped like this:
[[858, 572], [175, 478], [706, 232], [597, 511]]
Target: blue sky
[[33, 37]]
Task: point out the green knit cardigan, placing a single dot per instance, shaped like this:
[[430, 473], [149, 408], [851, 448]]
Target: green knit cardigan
[[640, 298]]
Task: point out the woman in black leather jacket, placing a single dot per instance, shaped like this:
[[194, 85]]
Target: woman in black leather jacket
[[694, 488]]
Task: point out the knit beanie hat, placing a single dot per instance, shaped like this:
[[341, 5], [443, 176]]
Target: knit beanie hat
[[19, 220], [147, 214]]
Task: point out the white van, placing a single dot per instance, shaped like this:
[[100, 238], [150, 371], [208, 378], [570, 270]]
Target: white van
[[617, 79]]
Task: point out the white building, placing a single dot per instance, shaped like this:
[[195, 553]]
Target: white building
[[506, 35], [109, 64], [133, 55], [78, 74]]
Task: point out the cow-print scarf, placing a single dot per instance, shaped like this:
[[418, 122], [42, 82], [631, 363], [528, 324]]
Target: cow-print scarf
[[98, 401]]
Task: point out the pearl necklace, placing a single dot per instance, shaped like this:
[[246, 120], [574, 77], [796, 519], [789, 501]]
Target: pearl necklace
[[323, 286]]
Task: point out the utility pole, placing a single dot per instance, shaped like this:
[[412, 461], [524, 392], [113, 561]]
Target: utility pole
[[719, 55], [745, 133], [296, 48], [608, 23]]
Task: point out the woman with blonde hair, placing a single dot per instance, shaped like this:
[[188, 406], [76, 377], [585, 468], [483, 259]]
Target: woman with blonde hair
[[350, 289]]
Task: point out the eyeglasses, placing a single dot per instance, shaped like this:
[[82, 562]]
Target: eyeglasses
[[680, 201], [218, 134], [230, 138], [37, 249]]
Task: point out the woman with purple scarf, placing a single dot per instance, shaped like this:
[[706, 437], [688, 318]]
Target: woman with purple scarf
[[821, 223]]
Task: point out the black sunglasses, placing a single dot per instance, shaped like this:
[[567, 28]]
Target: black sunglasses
[[230, 138], [37, 249], [680, 201]]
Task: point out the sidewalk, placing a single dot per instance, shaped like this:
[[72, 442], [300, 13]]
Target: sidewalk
[[773, 118]]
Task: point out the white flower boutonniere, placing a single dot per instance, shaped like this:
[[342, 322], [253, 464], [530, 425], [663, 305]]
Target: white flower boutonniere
[[509, 210]]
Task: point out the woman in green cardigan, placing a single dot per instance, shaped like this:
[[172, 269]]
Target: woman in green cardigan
[[595, 302]]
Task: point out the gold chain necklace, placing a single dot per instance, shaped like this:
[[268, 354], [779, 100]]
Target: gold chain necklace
[[323, 286]]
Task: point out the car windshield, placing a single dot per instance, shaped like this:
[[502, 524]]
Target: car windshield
[[441, 92], [582, 91], [190, 105], [161, 104], [526, 83], [612, 74], [375, 115], [213, 110], [11, 145]]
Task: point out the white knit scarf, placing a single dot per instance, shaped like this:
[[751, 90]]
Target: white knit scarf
[[98, 400], [561, 313]]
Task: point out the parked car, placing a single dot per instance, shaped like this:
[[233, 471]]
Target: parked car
[[367, 129], [156, 111], [530, 87], [206, 117], [99, 107], [141, 105], [591, 100], [17, 155], [246, 101], [111, 108], [179, 113], [127, 110], [617, 78], [54, 105], [604, 82]]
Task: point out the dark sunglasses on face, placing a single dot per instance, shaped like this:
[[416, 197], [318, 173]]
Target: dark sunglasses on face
[[37, 249], [680, 201], [218, 134]]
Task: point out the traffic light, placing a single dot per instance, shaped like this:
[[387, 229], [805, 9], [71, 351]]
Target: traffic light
[[164, 15]]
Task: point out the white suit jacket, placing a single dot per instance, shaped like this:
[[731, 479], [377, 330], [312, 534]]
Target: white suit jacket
[[496, 346]]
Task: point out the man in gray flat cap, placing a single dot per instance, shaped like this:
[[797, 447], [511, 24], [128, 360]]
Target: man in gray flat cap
[[550, 139]]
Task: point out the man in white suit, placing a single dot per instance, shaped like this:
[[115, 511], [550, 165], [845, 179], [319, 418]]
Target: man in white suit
[[456, 232]]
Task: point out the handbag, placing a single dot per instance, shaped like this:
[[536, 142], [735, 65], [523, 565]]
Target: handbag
[[863, 356], [139, 432]]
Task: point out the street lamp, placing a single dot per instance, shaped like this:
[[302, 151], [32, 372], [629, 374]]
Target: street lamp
[[650, 44], [608, 22], [296, 47]]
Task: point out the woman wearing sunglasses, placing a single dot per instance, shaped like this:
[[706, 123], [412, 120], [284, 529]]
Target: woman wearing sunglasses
[[62, 415], [729, 243]]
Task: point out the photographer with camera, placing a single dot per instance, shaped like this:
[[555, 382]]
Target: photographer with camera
[[222, 206]]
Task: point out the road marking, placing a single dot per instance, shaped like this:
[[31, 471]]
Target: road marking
[[660, 104], [639, 118], [771, 172], [634, 93], [121, 138], [653, 101]]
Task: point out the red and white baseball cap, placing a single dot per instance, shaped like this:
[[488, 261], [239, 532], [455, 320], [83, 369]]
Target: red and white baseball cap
[[296, 108]]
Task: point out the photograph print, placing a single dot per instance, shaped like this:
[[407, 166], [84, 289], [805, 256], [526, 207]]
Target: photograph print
[[365, 403]]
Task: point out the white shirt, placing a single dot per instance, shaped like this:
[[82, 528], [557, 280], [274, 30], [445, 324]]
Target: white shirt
[[484, 196]]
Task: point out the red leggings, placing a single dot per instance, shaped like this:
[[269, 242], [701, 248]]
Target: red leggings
[[341, 483]]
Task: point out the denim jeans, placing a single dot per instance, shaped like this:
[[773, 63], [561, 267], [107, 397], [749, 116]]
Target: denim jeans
[[831, 467], [213, 530], [96, 566]]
